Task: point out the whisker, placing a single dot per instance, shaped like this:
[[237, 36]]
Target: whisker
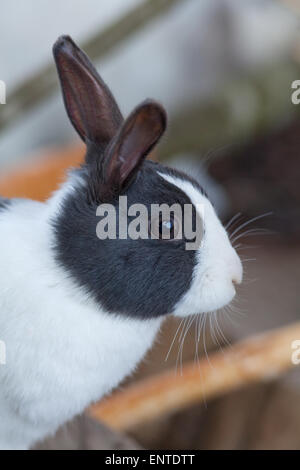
[[241, 246], [189, 323], [196, 356], [197, 336], [173, 341], [213, 331], [211, 328], [252, 232], [228, 313], [249, 222], [185, 322], [222, 335], [246, 282], [204, 339], [232, 310], [234, 218]]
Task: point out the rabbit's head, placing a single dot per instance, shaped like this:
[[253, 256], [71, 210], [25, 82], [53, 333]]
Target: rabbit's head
[[110, 234]]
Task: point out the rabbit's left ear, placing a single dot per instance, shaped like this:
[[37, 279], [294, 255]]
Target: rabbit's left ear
[[90, 105], [135, 139]]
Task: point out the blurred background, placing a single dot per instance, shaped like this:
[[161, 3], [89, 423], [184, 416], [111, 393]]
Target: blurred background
[[224, 71]]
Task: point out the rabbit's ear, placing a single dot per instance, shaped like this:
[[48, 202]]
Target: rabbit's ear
[[89, 103], [135, 139]]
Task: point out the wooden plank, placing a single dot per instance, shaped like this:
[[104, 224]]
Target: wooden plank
[[260, 358]]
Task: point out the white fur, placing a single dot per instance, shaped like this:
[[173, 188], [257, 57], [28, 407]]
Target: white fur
[[62, 350], [218, 264]]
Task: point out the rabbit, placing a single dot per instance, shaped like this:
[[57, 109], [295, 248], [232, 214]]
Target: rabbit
[[78, 313]]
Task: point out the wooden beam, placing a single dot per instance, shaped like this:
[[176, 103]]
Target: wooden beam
[[260, 358]]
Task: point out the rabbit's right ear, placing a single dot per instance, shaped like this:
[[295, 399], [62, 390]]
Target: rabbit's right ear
[[90, 105], [126, 153]]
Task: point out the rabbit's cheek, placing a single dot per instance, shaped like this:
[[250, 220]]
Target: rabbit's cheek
[[214, 283], [218, 268]]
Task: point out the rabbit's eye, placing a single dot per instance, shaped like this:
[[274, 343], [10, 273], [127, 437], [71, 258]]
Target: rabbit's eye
[[165, 228]]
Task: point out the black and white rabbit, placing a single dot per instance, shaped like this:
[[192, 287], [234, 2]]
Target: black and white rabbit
[[78, 313]]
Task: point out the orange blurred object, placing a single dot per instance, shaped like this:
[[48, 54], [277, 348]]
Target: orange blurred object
[[39, 177]]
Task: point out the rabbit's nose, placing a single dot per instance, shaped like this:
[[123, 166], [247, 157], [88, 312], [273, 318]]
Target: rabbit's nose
[[237, 274], [236, 270], [236, 280]]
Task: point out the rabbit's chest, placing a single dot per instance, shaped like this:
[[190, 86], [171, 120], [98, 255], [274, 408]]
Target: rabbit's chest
[[59, 361], [62, 350]]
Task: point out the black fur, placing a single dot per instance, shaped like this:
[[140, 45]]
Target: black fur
[[4, 203], [136, 278], [139, 278]]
